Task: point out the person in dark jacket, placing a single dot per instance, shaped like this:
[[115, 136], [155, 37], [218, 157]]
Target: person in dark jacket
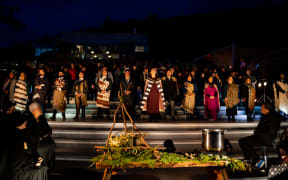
[[143, 77], [7, 131], [8, 90], [248, 96], [41, 85], [201, 81], [26, 162], [171, 90], [128, 93], [264, 134], [80, 90], [41, 133]]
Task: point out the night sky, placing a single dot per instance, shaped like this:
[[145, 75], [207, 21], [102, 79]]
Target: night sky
[[53, 16]]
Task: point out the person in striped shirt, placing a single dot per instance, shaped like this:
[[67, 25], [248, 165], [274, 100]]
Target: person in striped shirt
[[21, 93]]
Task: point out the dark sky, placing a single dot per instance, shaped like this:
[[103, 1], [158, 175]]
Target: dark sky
[[54, 16]]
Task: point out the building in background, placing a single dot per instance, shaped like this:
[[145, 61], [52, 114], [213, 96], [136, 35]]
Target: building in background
[[91, 47]]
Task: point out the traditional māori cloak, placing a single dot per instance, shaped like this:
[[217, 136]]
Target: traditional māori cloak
[[59, 95], [280, 96], [188, 103], [153, 92], [103, 95], [21, 95], [81, 87], [251, 97], [232, 94]]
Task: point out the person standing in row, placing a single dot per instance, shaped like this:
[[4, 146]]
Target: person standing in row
[[8, 90], [231, 98], [211, 100], [128, 88], [41, 85], [280, 88], [188, 103], [248, 96], [80, 89], [170, 92], [143, 77], [59, 95], [21, 93], [103, 87], [153, 100]]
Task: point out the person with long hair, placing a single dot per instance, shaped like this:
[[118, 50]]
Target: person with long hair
[[211, 100], [188, 103], [153, 100]]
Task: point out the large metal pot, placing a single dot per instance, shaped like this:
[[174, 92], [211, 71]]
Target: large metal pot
[[213, 140]]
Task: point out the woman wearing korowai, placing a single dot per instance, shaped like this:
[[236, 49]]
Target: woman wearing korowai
[[211, 100], [188, 103], [231, 98], [80, 89], [21, 93], [280, 88], [59, 95], [103, 86], [248, 96], [153, 101]]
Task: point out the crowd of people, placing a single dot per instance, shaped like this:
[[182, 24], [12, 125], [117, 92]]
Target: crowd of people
[[155, 88]]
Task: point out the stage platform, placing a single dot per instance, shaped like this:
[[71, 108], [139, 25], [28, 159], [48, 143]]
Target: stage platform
[[91, 112], [75, 138]]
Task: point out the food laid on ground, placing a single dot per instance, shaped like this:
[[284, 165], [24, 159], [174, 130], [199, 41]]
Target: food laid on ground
[[130, 150], [121, 155]]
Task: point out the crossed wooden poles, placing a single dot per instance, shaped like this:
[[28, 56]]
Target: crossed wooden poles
[[107, 175]]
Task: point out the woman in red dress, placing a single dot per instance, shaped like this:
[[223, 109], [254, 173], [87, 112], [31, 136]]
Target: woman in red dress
[[211, 100]]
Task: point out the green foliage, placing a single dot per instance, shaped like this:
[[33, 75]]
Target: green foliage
[[120, 157], [121, 153], [237, 165], [172, 158]]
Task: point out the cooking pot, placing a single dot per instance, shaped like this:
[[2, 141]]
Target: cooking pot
[[213, 140]]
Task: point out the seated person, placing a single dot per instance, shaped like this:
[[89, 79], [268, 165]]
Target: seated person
[[264, 134], [26, 162], [7, 129], [41, 132]]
